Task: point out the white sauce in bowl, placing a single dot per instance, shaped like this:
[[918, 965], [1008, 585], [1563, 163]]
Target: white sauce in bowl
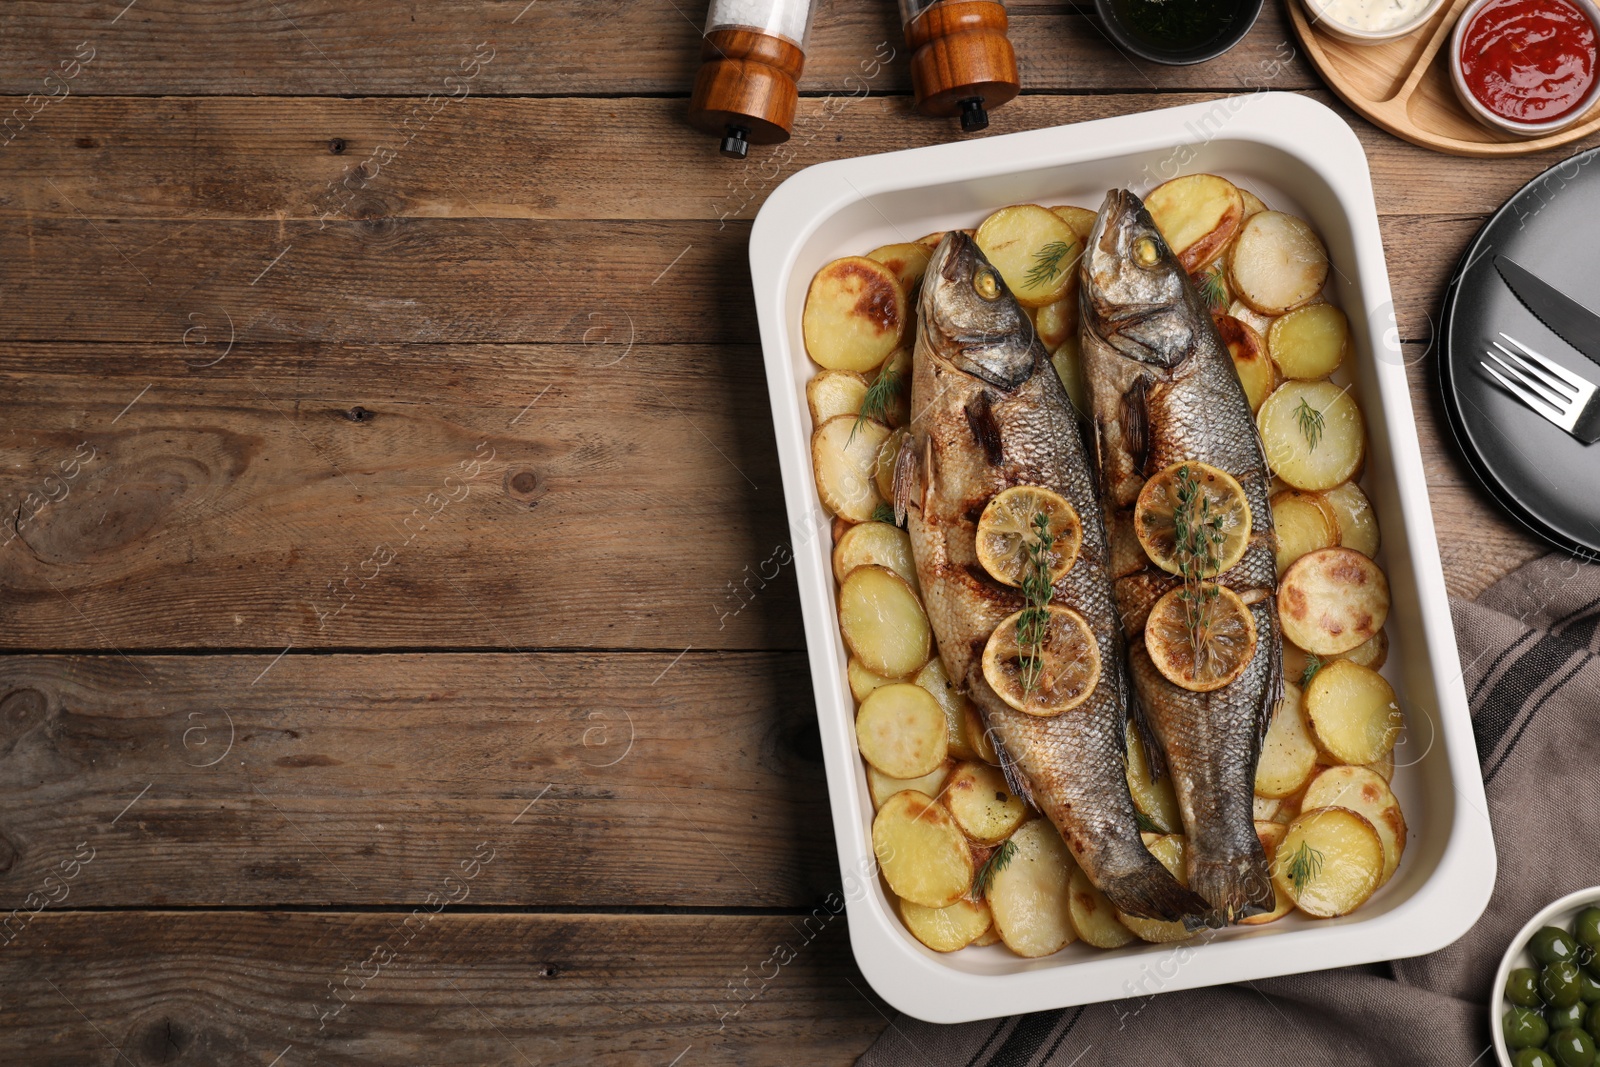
[[1369, 16]]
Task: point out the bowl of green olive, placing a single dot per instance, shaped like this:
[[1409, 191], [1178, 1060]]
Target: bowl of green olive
[[1546, 1007]]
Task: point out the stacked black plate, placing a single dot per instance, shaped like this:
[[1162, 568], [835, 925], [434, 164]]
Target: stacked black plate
[[1548, 480]]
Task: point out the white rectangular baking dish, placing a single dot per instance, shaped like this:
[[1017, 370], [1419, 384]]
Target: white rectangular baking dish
[[1297, 156]]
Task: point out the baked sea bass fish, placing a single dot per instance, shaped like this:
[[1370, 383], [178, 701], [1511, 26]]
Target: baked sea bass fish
[[1010, 547]]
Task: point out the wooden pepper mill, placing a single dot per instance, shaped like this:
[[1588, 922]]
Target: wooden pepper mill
[[961, 60], [750, 63]]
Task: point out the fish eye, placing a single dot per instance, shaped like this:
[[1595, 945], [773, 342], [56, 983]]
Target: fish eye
[[1146, 251], [986, 285]]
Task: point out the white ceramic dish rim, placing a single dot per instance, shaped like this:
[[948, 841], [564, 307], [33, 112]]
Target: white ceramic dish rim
[[914, 979], [1355, 36], [1557, 913], [1500, 122]]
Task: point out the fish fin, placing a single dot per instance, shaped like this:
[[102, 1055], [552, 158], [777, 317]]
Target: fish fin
[[1274, 693], [1016, 781], [1155, 754], [1237, 886], [1135, 421], [1148, 891], [985, 429], [905, 479]]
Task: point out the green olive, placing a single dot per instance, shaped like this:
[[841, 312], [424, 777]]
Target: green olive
[[1594, 1021], [1588, 988], [1532, 1057], [1570, 1017], [1551, 944], [1525, 1028], [1573, 1048], [1522, 987], [1558, 984], [1586, 928]]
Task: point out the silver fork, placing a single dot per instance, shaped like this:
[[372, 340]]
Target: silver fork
[[1550, 389]]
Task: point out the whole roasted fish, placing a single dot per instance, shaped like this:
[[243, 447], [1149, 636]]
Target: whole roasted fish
[[1163, 390], [989, 413]]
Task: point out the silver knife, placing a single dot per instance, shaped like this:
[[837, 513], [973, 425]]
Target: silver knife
[[1570, 320]]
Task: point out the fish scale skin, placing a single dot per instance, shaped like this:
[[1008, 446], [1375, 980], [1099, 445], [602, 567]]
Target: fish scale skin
[[1195, 409], [1074, 763]]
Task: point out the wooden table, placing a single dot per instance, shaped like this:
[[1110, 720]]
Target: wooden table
[[388, 479]]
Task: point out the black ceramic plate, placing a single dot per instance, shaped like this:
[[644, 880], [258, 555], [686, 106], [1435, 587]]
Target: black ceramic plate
[[1548, 480]]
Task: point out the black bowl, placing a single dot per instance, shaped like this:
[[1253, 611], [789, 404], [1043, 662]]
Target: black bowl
[[1233, 19]]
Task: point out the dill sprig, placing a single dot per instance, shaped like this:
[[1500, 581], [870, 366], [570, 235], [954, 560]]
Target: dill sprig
[[883, 513], [1034, 619], [998, 860], [1047, 264], [1147, 824], [880, 394], [1303, 866], [1311, 423], [1313, 665], [1213, 288]]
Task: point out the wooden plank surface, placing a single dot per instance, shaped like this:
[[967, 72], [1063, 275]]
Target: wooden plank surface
[[604, 780], [443, 989], [373, 48]]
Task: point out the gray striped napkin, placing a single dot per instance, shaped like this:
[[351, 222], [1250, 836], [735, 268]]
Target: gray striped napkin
[[1528, 651]]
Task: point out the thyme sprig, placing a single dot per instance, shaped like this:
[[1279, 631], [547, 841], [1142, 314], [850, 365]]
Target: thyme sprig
[[1034, 619], [1048, 264], [998, 860], [1303, 866], [1312, 423], [1198, 546]]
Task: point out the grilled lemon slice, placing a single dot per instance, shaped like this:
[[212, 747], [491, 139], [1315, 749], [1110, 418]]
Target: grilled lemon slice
[[1213, 506], [1070, 671], [1202, 640], [1005, 533]]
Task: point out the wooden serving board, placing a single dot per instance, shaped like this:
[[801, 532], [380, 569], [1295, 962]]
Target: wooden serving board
[[1404, 86]]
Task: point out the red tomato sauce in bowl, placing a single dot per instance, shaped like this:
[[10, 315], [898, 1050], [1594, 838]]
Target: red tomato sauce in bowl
[[1529, 60]]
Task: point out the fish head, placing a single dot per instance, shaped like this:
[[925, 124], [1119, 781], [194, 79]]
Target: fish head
[[968, 318], [1136, 296]]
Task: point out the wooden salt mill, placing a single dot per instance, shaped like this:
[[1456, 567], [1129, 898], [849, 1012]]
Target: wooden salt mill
[[750, 63], [961, 60]]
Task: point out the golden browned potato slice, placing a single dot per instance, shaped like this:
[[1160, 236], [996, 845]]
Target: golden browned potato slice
[[921, 851], [1198, 214], [863, 681], [1288, 755], [1265, 809], [1358, 523], [1353, 712], [978, 737], [930, 241], [1332, 600], [1271, 835], [1034, 250], [855, 314], [983, 804], [1366, 793], [883, 622], [1277, 263], [1330, 862], [1169, 849], [1094, 920], [1303, 522], [908, 261], [881, 787], [947, 929], [954, 705], [1257, 373], [1252, 203], [1309, 342], [1029, 896], [1383, 766], [1153, 797], [990, 936], [1069, 368], [844, 456], [878, 543], [834, 392], [1252, 318], [1057, 322], [1313, 434], [900, 730], [1081, 219]]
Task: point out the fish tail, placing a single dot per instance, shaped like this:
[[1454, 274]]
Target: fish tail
[[1236, 886], [1149, 891]]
